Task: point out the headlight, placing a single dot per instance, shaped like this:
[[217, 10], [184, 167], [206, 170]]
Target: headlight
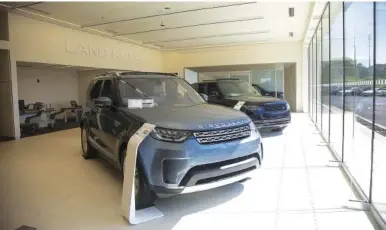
[[288, 107], [252, 107], [170, 135]]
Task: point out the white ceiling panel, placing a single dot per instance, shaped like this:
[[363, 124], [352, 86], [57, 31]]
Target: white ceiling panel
[[186, 24], [215, 41], [208, 30], [87, 13], [229, 13]]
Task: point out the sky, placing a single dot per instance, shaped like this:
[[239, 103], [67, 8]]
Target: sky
[[359, 22]]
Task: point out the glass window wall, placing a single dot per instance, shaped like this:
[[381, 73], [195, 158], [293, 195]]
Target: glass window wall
[[347, 91]]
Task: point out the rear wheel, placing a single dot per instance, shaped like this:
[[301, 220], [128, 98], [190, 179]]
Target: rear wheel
[[144, 197], [87, 149]]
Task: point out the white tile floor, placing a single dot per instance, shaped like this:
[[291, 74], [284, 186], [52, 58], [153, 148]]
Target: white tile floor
[[46, 184]]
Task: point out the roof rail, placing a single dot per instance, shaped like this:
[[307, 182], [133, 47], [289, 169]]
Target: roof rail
[[112, 72], [145, 73]]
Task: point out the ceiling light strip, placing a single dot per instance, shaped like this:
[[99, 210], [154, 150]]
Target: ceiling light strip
[[213, 36], [195, 25], [26, 5], [189, 49], [171, 13], [49, 18]]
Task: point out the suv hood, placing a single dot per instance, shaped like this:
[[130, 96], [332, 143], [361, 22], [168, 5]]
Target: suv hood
[[254, 99], [198, 117]]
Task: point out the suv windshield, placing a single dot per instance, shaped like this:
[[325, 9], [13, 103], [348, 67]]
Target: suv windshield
[[165, 91], [236, 88]]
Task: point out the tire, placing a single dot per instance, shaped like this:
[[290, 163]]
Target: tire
[[87, 150], [144, 197]]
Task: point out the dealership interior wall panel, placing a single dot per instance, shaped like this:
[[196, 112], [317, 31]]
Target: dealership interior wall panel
[[37, 41], [54, 87], [290, 80]]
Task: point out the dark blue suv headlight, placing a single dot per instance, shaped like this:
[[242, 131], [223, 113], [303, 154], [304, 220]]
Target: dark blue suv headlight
[[163, 134]]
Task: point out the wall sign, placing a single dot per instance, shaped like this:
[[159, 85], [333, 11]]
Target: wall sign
[[88, 49]]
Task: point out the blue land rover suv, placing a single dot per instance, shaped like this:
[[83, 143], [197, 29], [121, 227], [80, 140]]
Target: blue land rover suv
[[266, 112], [195, 145]]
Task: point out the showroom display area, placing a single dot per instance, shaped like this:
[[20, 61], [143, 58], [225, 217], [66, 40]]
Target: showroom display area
[[292, 189], [34, 40]]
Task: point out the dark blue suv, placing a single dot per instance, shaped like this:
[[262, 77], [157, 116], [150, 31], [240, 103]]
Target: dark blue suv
[[195, 145], [265, 112]]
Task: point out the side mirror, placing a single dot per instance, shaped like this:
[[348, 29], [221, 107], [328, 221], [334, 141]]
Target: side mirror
[[203, 95], [103, 102]]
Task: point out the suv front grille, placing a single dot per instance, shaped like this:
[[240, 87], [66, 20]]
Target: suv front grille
[[274, 107], [213, 136]]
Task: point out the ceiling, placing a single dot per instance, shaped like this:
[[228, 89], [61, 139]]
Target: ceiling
[[176, 25]]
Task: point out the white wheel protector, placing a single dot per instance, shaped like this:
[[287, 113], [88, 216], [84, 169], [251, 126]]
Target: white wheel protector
[[239, 105], [128, 192]]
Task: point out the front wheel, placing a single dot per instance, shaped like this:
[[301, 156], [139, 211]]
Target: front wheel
[[87, 149], [144, 197]]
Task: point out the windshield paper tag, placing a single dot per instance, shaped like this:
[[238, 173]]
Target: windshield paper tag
[[148, 103], [239, 105], [134, 103]]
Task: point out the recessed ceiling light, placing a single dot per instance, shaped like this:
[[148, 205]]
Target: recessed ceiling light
[[291, 12], [291, 34], [167, 8]]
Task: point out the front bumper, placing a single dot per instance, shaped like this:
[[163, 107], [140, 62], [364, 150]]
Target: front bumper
[[176, 168], [272, 123]]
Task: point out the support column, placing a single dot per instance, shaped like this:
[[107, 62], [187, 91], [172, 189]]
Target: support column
[[9, 105]]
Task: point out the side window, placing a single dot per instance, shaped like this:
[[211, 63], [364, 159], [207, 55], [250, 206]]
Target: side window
[[96, 89], [107, 90], [213, 89], [201, 88]]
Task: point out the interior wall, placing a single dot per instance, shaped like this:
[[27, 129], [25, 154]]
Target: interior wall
[[6, 103], [264, 53], [50, 86], [290, 91], [37, 41]]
